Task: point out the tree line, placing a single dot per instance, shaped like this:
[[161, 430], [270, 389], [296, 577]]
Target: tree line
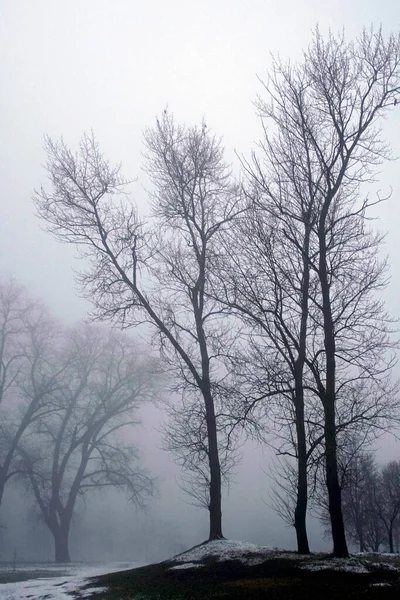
[[261, 289]]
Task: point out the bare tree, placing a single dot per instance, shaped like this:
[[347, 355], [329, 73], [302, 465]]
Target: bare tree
[[269, 288], [80, 445], [388, 500], [25, 329], [158, 276], [360, 484], [322, 143]]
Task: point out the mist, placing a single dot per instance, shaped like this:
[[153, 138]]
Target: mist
[[112, 68]]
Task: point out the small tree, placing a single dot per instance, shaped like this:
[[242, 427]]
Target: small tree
[[79, 446]]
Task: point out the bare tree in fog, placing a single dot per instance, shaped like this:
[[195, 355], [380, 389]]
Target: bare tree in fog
[[268, 286], [321, 311], [161, 275], [370, 497], [359, 477], [359, 488], [388, 501], [79, 446], [28, 377]]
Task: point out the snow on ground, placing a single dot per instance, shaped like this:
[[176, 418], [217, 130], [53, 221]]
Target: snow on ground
[[348, 565], [353, 564], [250, 554], [189, 565], [59, 588]]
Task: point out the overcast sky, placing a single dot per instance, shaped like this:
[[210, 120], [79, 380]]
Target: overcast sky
[[113, 66], [68, 66]]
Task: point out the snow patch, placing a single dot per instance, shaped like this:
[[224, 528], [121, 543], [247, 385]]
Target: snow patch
[[59, 588], [223, 550], [384, 566], [348, 566], [189, 565]]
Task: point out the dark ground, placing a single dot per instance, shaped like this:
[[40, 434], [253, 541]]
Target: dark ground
[[275, 579]]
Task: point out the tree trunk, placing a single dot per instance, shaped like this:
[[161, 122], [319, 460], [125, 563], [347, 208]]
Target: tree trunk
[[2, 486], [332, 483], [300, 512], [360, 534], [362, 545], [328, 400], [215, 510], [215, 470], [390, 536], [61, 546]]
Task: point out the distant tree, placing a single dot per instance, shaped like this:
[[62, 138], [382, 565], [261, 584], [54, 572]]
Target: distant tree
[[310, 278], [79, 446], [360, 483], [157, 275], [388, 501], [28, 377]]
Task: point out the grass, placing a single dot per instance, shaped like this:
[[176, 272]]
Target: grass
[[275, 579]]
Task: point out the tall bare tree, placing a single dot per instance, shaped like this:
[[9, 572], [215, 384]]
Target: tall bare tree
[[326, 112], [307, 272], [269, 288], [158, 276], [79, 446]]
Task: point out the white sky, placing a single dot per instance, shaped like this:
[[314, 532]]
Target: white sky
[[113, 65], [68, 66]]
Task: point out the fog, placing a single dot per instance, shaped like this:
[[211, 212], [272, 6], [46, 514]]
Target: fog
[[68, 67]]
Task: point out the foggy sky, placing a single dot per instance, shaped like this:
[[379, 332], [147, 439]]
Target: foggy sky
[[113, 66]]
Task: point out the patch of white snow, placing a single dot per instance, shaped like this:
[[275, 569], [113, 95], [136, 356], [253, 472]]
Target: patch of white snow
[[345, 565], [189, 565], [58, 588], [227, 550]]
